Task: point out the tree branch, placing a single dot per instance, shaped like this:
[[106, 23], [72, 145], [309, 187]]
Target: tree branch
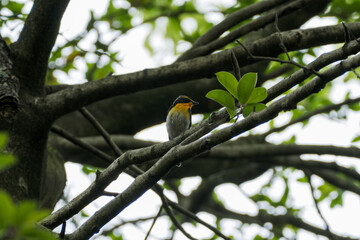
[[173, 218], [235, 18], [72, 98], [153, 223], [101, 130], [309, 115], [330, 235], [263, 217], [297, 162], [261, 150], [260, 58], [331, 177], [325, 59], [241, 31], [33, 48], [78, 142]]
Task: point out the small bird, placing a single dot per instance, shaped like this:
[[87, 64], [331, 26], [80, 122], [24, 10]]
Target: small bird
[[178, 119]]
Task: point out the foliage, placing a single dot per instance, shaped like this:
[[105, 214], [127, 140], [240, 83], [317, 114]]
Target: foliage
[[244, 91]]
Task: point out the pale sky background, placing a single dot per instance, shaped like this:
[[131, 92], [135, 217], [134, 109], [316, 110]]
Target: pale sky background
[[320, 130]]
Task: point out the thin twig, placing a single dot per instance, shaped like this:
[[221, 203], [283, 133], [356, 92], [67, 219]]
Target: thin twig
[[63, 230], [191, 215], [309, 175], [308, 115], [282, 45], [260, 58], [65, 134], [331, 177], [352, 48], [356, 74], [153, 223], [235, 65], [277, 72], [110, 194], [101, 130], [136, 221], [235, 18], [218, 43], [173, 218]]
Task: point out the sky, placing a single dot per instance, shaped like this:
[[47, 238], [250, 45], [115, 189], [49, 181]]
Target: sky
[[320, 130]]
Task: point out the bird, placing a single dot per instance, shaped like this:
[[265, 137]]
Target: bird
[[178, 119]]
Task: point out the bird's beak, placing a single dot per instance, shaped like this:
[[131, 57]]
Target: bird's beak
[[194, 102]]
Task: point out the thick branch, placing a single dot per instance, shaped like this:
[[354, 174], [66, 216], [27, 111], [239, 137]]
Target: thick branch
[[235, 18], [262, 150], [241, 31], [33, 48], [72, 98]]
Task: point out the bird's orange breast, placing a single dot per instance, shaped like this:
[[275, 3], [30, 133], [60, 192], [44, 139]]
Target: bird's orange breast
[[183, 106]]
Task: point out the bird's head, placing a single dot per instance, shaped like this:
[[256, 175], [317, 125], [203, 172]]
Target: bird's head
[[184, 101]]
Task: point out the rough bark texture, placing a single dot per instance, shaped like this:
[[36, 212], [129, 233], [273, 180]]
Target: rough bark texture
[[9, 85]]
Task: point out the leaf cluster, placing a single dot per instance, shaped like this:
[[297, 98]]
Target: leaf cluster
[[244, 91]]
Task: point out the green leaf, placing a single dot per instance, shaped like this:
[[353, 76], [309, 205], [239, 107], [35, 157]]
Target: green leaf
[[303, 179], [228, 81], [325, 190], [3, 140], [285, 196], [223, 98], [356, 139], [291, 140], [84, 214], [15, 7], [27, 214], [114, 237], [258, 237], [7, 210], [355, 107], [338, 201], [258, 94], [246, 86], [35, 233], [259, 107], [217, 199], [6, 161], [231, 112], [88, 169], [249, 108]]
